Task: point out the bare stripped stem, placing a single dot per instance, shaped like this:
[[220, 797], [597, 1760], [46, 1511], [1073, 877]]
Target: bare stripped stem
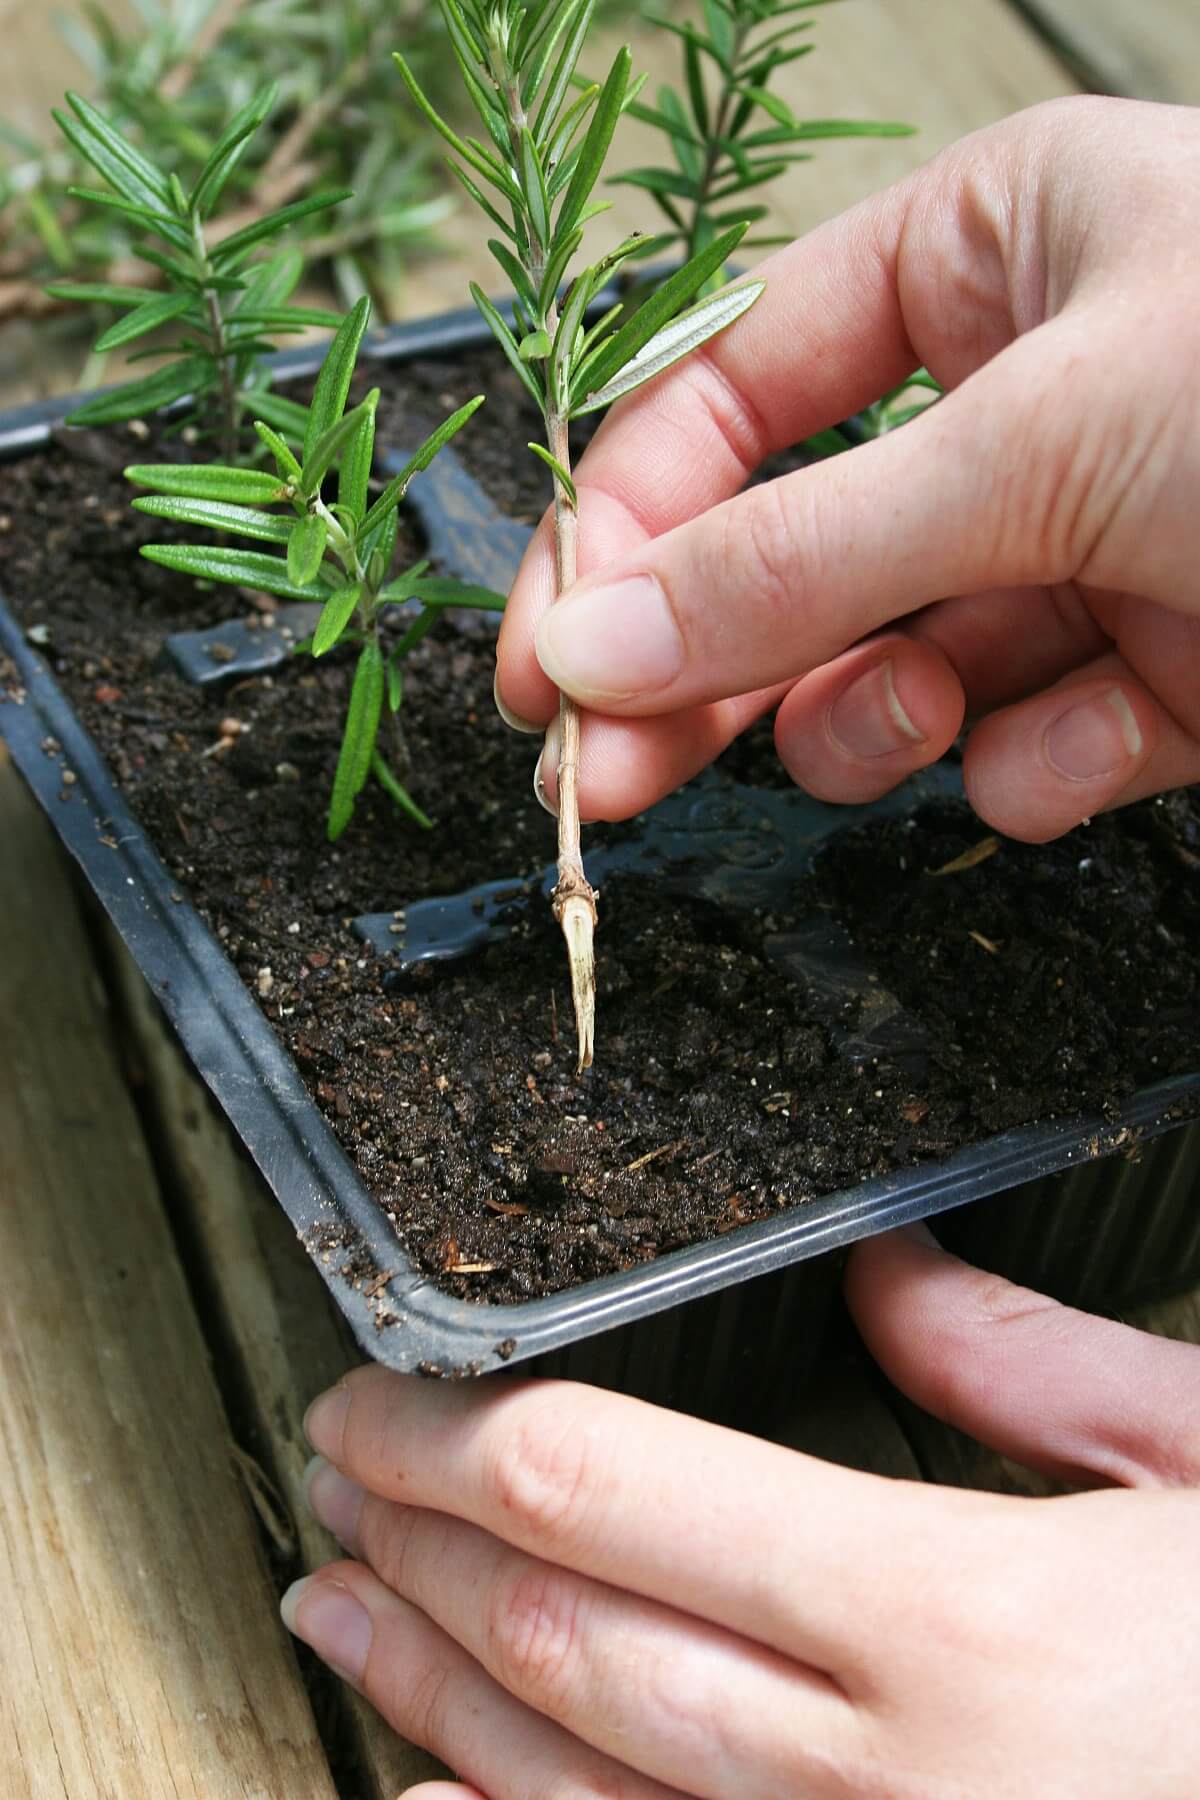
[[546, 137], [574, 898]]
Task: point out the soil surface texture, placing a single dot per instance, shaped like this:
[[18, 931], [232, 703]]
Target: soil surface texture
[[1038, 981]]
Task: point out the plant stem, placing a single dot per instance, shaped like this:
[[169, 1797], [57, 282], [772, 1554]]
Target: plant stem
[[729, 93], [574, 899], [220, 350], [369, 613]]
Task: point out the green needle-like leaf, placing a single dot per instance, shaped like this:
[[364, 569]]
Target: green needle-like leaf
[[337, 613], [306, 549], [355, 472], [613, 353], [330, 445], [358, 741], [231, 249], [397, 792], [243, 568], [113, 156], [552, 463], [141, 399], [146, 317], [507, 343], [333, 383], [229, 149], [533, 182], [596, 143], [208, 481], [441, 591], [218, 515], [105, 292], [287, 464], [684, 334], [163, 224]]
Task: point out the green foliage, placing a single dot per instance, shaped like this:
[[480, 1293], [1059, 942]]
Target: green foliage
[[172, 75], [542, 151], [337, 552], [226, 311], [728, 132]]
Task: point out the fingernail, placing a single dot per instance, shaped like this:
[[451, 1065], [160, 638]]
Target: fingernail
[[611, 642], [329, 1618], [325, 1421], [334, 1501], [513, 720], [1094, 737], [547, 762], [867, 718]]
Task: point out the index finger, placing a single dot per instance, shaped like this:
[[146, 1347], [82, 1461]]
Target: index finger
[[650, 1501], [848, 312]]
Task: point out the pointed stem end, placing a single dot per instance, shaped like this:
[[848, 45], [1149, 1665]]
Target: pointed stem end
[[576, 914]]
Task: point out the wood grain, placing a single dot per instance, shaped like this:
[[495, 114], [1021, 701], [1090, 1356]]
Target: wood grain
[[1150, 50], [142, 1655], [281, 1339]]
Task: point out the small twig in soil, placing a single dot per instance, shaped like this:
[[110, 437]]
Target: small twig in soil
[[653, 1155], [970, 859]]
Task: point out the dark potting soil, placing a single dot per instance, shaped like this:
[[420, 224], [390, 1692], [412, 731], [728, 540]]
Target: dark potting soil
[[1045, 980]]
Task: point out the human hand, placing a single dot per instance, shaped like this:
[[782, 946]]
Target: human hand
[[564, 1592], [1045, 271]]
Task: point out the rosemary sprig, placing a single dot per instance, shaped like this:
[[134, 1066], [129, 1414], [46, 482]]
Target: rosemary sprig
[[337, 551], [226, 309], [532, 172]]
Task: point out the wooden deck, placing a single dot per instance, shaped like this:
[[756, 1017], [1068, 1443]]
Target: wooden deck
[[162, 1332]]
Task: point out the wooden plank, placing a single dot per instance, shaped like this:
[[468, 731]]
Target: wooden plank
[[1150, 51], [143, 1656], [281, 1339]]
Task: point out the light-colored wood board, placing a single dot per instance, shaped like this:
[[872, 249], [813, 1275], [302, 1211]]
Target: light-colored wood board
[[1149, 49], [282, 1340], [143, 1656]]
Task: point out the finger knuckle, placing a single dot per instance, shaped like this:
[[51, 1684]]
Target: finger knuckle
[[998, 1301], [760, 542], [543, 1469], [534, 1631], [423, 1711], [371, 1427], [385, 1541], [734, 419], [1074, 475]]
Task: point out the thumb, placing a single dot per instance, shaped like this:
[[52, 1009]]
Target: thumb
[[1059, 1390], [982, 490]]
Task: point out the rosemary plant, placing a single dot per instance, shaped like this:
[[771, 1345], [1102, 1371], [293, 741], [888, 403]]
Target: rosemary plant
[[168, 77], [337, 552], [728, 132], [225, 311], [546, 144]]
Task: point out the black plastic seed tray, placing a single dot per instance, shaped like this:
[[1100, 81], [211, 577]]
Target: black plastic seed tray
[[715, 1328]]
